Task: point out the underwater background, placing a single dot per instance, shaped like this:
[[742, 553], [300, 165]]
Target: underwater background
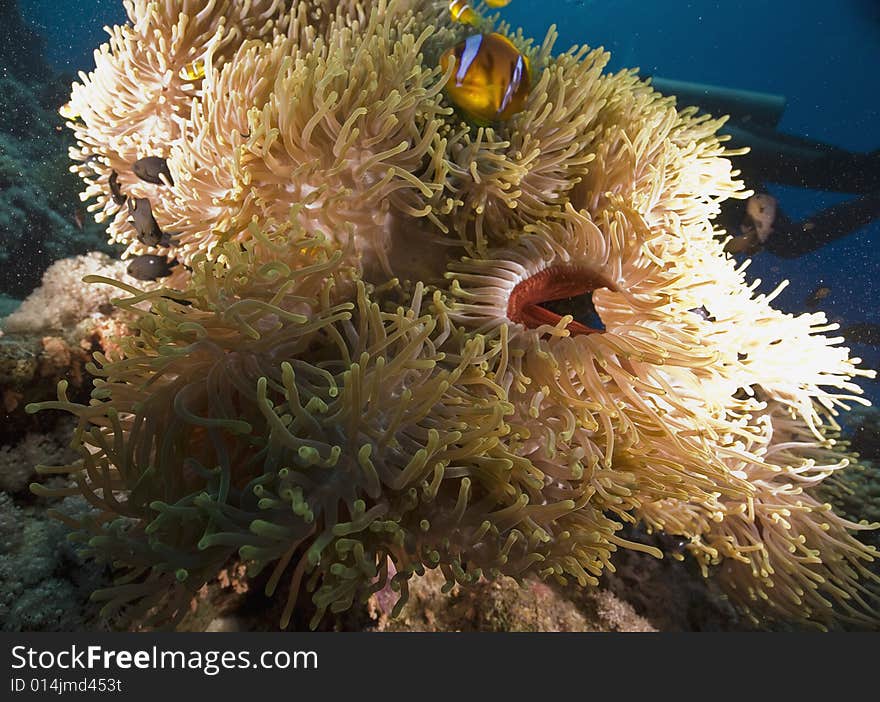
[[821, 57]]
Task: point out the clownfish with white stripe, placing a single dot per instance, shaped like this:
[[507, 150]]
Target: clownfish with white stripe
[[491, 79], [192, 71], [461, 12]]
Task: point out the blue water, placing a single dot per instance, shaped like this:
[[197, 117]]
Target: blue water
[[820, 55], [74, 30]]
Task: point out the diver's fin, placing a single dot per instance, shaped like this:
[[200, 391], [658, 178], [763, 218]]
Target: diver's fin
[[793, 239], [746, 106], [786, 159]]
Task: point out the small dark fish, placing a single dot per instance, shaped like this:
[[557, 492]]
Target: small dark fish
[[142, 219], [815, 297], [78, 218], [702, 313], [149, 267], [150, 168], [115, 191]]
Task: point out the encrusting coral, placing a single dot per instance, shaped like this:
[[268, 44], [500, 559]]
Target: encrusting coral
[[62, 304], [45, 583], [360, 375], [18, 461]]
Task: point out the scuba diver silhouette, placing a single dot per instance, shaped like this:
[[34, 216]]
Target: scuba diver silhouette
[[775, 157]]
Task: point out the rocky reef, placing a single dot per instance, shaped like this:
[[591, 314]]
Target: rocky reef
[[50, 338], [45, 583]]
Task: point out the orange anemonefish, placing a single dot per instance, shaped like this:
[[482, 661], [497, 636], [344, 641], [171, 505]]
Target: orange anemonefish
[[461, 12], [67, 111], [193, 71], [492, 79]]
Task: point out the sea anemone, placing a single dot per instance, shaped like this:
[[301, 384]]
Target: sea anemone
[[264, 417], [136, 102], [411, 342]]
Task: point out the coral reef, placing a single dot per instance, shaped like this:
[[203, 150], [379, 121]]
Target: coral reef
[[18, 462], [360, 378], [643, 594], [45, 584], [63, 305], [504, 605], [51, 337], [30, 369], [38, 196]]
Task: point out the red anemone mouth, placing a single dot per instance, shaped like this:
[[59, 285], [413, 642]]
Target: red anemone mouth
[[527, 302]]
